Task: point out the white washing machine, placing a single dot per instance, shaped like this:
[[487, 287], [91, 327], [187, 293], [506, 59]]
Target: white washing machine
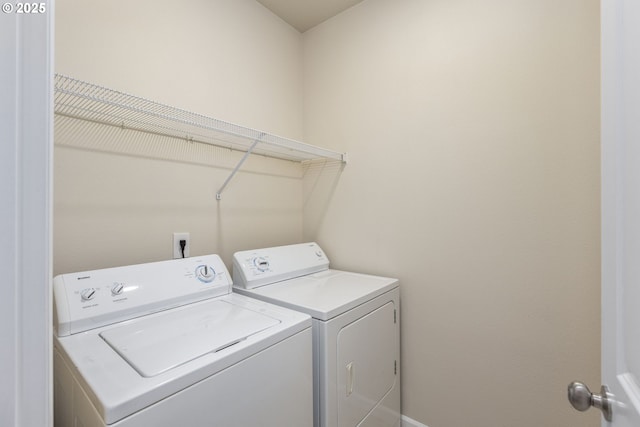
[[356, 331], [167, 344]]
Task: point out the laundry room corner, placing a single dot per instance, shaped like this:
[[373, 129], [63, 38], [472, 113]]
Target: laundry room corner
[[473, 137]]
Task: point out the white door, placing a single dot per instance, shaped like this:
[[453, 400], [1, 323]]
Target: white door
[[620, 98]]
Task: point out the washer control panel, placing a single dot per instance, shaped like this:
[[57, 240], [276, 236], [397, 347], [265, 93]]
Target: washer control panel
[[260, 267], [91, 299]]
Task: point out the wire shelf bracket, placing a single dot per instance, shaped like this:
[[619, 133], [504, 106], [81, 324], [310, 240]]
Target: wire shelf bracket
[[236, 169], [86, 101]]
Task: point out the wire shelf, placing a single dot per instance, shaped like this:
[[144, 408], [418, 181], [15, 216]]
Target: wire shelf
[[86, 101]]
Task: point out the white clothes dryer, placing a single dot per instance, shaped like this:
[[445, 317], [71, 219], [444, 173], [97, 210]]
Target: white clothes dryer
[[167, 344], [356, 330]]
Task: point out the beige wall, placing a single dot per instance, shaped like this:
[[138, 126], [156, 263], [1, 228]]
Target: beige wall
[[473, 135], [120, 195], [472, 129]]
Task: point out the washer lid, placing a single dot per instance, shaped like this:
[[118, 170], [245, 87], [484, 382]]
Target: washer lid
[[324, 295], [152, 347]]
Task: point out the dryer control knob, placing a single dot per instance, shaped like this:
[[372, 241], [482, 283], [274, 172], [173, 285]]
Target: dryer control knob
[[261, 263], [87, 294]]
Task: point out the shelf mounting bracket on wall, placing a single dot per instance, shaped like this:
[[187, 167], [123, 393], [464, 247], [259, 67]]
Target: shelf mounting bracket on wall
[[235, 170]]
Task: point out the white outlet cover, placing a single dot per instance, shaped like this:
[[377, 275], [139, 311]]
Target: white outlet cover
[[177, 251]]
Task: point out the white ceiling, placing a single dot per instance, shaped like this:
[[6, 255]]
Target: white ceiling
[[305, 14]]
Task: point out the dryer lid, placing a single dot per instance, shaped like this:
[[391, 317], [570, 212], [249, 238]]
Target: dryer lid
[[152, 347], [326, 294]]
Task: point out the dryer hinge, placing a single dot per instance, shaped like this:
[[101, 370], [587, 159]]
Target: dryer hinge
[[395, 367], [394, 316]]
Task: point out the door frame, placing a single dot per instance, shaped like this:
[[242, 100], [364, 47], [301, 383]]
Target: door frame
[[26, 153]]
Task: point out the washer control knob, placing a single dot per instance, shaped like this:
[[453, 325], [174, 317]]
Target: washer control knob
[[205, 273], [117, 288], [261, 263], [87, 294]]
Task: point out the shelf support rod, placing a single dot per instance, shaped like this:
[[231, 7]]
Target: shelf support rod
[[235, 170]]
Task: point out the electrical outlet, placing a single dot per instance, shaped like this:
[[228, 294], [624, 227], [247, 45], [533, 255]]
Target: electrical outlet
[[177, 249]]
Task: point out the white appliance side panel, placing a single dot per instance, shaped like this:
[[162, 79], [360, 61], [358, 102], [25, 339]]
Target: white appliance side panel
[[318, 343], [271, 389], [366, 364], [63, 384], [72, 406]]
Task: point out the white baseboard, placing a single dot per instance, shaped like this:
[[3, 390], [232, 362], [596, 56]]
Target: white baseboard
[[408, 422]]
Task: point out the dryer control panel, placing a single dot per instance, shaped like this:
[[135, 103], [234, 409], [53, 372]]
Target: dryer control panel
[[260, 267], [91, 299]]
